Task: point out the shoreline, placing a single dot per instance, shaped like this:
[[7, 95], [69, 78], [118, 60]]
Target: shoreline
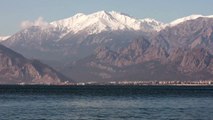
[[145, 85]]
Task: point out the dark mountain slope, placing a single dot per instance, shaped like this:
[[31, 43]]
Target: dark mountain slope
[[14, 68]]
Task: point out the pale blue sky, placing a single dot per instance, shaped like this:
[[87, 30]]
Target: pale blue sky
[[13, 12]]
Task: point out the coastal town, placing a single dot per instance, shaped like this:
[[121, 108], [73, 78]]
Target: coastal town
[[153, 83]]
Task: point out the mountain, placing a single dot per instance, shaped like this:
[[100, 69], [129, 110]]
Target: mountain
[[143, 62], [188, 18], [16, 69], [105, 46], [35, 42], [137, 52], [106, 21], [139, 61], [3, 38], [78, 36], [189, 34], [180, 52]]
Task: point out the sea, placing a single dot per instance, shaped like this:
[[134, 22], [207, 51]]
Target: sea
[[40, 102]]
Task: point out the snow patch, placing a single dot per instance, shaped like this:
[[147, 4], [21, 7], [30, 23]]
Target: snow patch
[[184, 19], [3, 38]]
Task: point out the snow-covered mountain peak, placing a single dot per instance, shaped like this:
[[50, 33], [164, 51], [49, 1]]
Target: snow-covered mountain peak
[[3, 38], [152, 23], [184, 19], [101, 16], [104, 21], [150, 20], [100, 13], [78, 15], [114, 13]]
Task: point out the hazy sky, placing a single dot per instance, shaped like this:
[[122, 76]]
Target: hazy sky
[[13, 12]]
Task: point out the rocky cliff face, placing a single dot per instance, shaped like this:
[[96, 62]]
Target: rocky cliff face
[[195, 60], [189, 34], [14, 69], [143, 61], [137, 52]]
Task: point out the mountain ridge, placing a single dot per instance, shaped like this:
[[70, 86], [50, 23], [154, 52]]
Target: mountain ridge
[[104, 21], [16, 69], [159, 27], [3, 38]]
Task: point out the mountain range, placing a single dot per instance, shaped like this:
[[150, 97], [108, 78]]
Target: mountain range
[[16, 69], [78, 36], [105, 46]]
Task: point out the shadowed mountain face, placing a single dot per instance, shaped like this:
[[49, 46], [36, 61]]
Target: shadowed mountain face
[[14, 69]]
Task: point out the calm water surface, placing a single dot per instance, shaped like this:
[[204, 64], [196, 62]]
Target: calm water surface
[[106, 102]]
